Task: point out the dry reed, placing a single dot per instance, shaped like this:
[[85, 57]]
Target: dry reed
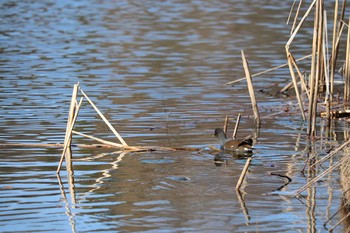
[[236, 126], [98, 139], [347, 71], [290, 63], [251, 90], [266, 71], [67, 144], [244, 172], [104, 119], [226, 124]]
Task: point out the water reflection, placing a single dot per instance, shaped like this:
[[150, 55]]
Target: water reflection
[[64, 199]]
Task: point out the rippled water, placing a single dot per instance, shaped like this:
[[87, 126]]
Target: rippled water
[[156, 69]]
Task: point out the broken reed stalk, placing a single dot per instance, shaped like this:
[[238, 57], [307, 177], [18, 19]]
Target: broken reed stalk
[[68, 136], [136, 148], [72, 108], [98, 139], [251, 90], [267, 71], [244, 172], [105, 119], [301, 76], [236, 126], [291, 69], [226, 124], [69, 133]]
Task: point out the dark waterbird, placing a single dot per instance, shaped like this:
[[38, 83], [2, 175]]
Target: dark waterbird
[[244, 145]]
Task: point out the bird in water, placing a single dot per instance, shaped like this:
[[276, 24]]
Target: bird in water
[[228, 144]]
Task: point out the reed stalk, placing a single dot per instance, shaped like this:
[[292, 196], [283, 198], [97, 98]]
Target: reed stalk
[[326, 66], [289, 42], [347, 71], [289, 55], [301, 76], [244, 172], [315, 69], [226, 124], [296, 16], [68, 136], [290, 12], [334, 49], [69, 133], [295, 84], [236, 126], [98, 139], [104, 119], [251, 90]]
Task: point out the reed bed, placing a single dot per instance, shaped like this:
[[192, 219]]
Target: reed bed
[[318, 87], [314, 87]]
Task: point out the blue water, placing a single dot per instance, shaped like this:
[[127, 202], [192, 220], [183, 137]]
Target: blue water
[[156, 69]]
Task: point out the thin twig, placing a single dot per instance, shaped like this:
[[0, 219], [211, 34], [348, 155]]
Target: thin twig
[[290, 12], [296, 16]]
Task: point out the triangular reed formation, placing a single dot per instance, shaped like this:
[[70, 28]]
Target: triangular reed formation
[[72, 117]]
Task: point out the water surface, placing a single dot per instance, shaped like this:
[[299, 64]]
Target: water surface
[[156, 69]]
